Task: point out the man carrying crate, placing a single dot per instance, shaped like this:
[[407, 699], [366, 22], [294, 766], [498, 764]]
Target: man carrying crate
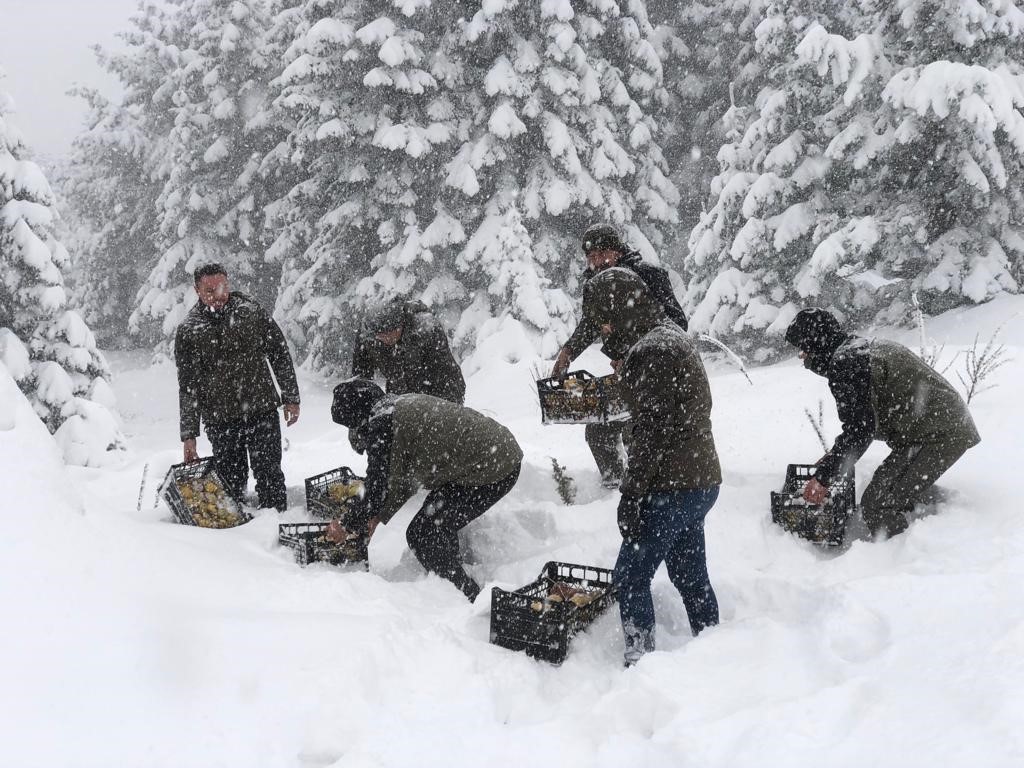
[[604, 249], [466, 460], [673, 474], [225, 350], [883, 391]]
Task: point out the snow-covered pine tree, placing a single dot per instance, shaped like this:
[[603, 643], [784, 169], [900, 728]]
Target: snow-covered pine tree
[[779, 192], [707, 52], [502, 248], [890, 164], [949, 162], [555, 100], [211, 205], [113, 179], [47, 348], [365, 116], [111, 203]]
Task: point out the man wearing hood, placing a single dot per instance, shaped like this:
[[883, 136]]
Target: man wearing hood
[[883, 391], [465, 460], [407, 345], [604, 249], [673, 474], [225, 350]]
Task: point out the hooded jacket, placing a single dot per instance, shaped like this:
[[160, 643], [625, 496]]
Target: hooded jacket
[[883, 391], [658, 285], [222, 360], [415, 441], [420, 362], [671, 446]]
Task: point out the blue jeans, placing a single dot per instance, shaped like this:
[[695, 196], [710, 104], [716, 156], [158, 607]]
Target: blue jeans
[[673, 533]]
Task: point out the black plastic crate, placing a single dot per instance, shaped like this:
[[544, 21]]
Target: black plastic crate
[[821, 523], [188, 511], [311, 546], [580, 397], [524, 620], [318, 489]]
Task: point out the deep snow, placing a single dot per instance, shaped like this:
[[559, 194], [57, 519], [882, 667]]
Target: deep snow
[[132, 641]]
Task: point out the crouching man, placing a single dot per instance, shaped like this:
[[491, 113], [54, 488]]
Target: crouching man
[[672, 474], [883, 391], [408, 346], [466, 460]]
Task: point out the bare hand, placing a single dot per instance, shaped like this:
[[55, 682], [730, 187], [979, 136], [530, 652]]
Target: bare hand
[[561, 365], [335, 532], [815, 492], [291, 413], [615, 365], [374, 522], [189, 450]]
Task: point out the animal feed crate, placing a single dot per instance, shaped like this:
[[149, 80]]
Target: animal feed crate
[[581, 398], [312, 546], [542, 617], [329, 494], [196, 495], [821, 523]]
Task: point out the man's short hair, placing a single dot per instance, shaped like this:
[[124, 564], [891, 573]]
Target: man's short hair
[[600, 237], [209, 269]]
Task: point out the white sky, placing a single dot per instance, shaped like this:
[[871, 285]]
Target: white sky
[[44, 49]]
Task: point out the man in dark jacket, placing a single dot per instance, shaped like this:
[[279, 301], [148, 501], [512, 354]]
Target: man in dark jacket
[[466, 460], [604, 249], [673, 474], [883, 391], [407, 344], [222, 350]]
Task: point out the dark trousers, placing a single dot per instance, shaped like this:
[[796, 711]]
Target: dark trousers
[[605, 443], [673, 533], [903, 478], [433, 534], [255, 441]]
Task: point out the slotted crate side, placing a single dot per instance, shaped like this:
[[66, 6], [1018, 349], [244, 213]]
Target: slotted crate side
[[546, 636], [559, 405], [819, 523], [600, 404], [192, 470], [318, 502], [304, 539]]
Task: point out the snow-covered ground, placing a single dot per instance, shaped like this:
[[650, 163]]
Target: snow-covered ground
[[132, 641]]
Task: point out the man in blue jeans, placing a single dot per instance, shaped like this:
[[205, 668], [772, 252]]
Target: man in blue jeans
[[673, 475]]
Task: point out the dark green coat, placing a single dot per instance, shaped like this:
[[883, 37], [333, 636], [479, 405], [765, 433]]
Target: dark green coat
[[913, 403], [884, 391], [224, 365], [421, 362], [436, 442], [671, 446]]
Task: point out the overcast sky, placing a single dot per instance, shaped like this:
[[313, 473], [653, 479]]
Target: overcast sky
[[44, 49]]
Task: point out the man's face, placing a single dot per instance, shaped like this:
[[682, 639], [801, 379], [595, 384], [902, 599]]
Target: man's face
[[601, 259], [815, 363], [213, 291], [389, 338]]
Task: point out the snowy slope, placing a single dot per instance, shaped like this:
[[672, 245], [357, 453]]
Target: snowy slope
[[130, 641]]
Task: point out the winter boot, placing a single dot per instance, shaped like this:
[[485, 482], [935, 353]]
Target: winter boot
[[638, 642]]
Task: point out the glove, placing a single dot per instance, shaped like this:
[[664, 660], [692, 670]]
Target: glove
[[630, 516], [357, 520]]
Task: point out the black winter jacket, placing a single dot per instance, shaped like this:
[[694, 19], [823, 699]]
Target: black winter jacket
[[658, 283], [222, 359]]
